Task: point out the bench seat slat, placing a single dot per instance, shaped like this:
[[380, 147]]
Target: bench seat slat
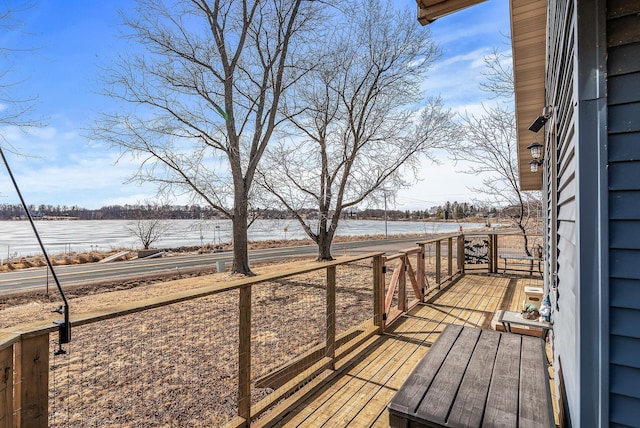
[[437, 402], [535, 399], [468, 407], [502, 404], [476, 378], [410, 395]]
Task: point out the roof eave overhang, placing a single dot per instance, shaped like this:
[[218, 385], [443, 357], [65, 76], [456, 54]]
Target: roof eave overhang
[[528, 38], [430, 10]]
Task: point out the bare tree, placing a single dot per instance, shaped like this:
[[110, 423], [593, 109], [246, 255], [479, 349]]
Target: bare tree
[[490, 146], [15, 110], [150, 223], [200, 96], [353, 128]]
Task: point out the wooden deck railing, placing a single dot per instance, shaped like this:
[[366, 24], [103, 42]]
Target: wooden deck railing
[[25, 384], [24, 350]]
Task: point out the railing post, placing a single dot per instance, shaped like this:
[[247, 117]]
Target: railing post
[[31, 397], [438, 263], [402, 285], [460, 248], [331, 316], [421, 270], [450, 255], [378, 292], [244, 355], [6, 387], [495, 253], [490, 261]]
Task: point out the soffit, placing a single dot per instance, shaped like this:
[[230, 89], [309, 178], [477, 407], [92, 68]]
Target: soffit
[[528, 38], [528, 34]]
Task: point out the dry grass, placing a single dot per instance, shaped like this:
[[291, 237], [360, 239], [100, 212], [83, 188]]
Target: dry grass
[[20, 308]]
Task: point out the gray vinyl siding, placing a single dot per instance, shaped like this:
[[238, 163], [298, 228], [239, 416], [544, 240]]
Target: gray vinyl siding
[[623, 69], [560, 84], [592, 195]]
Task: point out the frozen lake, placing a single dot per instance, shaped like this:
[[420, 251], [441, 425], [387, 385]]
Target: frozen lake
[[17, 238]]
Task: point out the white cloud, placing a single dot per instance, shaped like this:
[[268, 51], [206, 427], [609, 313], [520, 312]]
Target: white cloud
[[454, 31], [438, 184], [471, 109]]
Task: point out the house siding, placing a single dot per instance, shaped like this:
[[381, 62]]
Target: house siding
[[562, 184], [623, 105]]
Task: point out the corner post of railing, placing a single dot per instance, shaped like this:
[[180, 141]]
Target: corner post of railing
[[402, 284], [378, 292], [460, 256], [438, 262], [450, 255], [6, 386], [31, 397], [421, 270], [490, 261], [244, 355], [331, 316], [495, 252]]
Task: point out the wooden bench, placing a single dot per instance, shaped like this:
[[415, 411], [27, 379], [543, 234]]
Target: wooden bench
[[506, 257], [471, 378]]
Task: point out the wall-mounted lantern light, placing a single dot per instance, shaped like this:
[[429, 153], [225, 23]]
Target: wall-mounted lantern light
[[536, 154], [535, 164], [536, 150]]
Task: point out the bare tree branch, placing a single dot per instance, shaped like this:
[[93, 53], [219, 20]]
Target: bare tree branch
[[354, 126], [150, 224], [489, 146], [15, 110], [200, 94]]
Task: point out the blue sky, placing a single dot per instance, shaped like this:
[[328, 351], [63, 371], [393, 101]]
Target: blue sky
[[70, 40]]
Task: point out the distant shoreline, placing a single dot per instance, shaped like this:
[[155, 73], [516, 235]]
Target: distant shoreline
[[61, 259], [84, 236]]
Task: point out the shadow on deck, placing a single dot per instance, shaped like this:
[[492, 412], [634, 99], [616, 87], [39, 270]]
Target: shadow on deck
[[357, 393]]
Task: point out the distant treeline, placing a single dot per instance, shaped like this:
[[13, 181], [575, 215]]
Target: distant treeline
[[110, 212], [450, 210]]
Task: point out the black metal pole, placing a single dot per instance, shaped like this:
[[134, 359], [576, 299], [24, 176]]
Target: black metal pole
[[64, 327]]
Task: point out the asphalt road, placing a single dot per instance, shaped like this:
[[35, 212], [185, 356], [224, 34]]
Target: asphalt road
[[38, 278]]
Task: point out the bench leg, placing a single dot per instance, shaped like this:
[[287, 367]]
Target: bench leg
[[396, 421]]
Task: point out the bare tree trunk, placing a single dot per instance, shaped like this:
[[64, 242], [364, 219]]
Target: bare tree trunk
[[240, 228], [324, 245], [521, 226], [240, 250]]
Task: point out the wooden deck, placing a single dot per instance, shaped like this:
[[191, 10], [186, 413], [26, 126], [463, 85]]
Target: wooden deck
[[358, 392]]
